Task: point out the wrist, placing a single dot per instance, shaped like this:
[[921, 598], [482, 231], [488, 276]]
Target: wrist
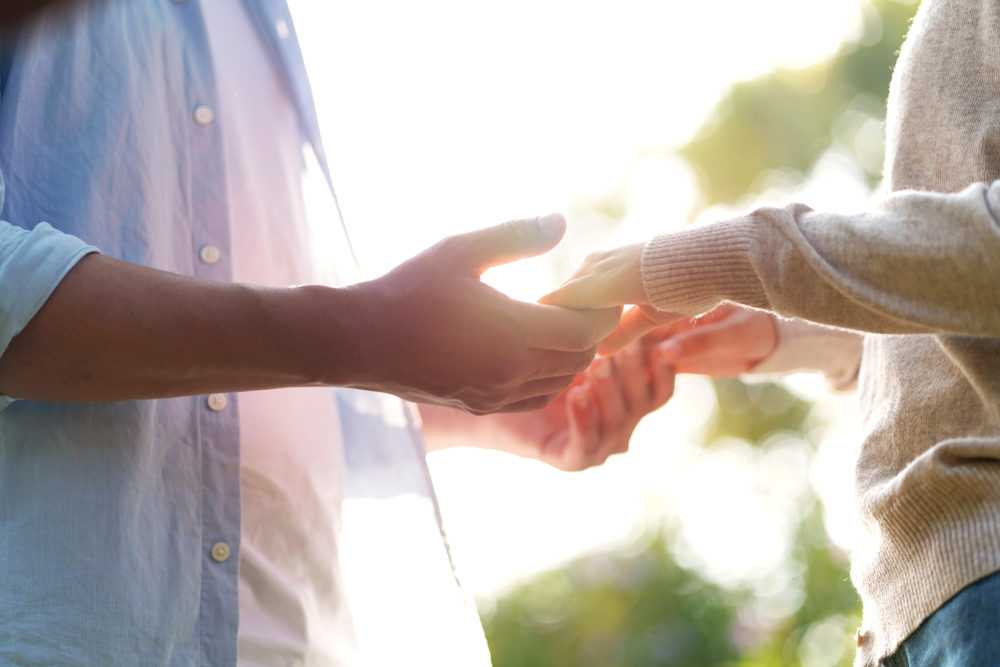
[[332, 339]]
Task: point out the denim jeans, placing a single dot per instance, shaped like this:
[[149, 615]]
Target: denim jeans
[[963, 632]]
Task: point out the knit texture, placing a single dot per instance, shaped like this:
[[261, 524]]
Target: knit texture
[[919, 274]]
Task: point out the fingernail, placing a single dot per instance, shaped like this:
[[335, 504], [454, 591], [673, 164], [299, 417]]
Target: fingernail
[[551, 224], [671, 350], [602, 369]]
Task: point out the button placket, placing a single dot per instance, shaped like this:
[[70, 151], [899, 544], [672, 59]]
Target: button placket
[[203, 115], [217, 402], [220, 552], [209, 254]]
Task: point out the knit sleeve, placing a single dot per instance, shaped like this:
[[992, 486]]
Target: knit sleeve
[[919, 262]]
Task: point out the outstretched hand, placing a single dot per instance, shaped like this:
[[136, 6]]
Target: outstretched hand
[[613, 278], [436, 334]]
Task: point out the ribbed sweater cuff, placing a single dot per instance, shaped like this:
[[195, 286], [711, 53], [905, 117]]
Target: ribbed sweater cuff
[[693, 270]]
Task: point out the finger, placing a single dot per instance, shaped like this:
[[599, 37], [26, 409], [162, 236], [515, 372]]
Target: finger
[[530, 395], [541, 387], [580, 292], [584, 422], [662, 380], [553, 328], [636, 323], [715, 349], [510, 241], [529, 404], [610, 399], [633, 325], [631, 366], [605, 279], [551, 363], [715, 339], [582, 432], [671, 330]]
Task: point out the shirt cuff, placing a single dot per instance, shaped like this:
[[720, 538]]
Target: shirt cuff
[[32, 264], [804, 345]]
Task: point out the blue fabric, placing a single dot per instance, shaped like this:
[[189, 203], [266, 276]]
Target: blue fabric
[[963, 632], [108, 511], [32, 263]]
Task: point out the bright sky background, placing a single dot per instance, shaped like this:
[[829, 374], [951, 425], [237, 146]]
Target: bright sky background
[[445, 116]]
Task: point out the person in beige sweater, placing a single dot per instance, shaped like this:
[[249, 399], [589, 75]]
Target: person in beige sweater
[[903, 299]]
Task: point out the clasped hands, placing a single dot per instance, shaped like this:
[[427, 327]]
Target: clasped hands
[[467, 346], [729, 340]]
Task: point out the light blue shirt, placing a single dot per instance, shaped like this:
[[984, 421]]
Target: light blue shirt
[[109, 512]]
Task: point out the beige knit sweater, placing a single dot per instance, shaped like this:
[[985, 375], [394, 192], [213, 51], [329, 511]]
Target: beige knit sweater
[[920, 275]]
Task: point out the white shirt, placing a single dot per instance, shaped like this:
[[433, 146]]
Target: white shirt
[[294, 597], [293, 605]]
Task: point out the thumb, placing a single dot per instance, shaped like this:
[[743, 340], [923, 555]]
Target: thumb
[[511, 241]]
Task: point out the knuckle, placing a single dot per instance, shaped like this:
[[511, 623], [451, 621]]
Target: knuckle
[[452, 249], [452, 244], [564, 382], [582, 362], [504, 376], [582, 340]]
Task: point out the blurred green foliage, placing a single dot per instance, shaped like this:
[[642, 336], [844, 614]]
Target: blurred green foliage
[[637, 607], [787, 119], [615, 609], [751, 412]]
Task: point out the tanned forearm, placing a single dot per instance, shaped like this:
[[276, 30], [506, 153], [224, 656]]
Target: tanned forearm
[[116, 331]]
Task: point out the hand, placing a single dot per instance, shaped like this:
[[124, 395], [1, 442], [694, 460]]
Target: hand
[[727, 341], [613, 278], [432, 332], [595, 417], [606, 278]]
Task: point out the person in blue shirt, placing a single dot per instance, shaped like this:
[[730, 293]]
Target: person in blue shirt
[[126, 340]]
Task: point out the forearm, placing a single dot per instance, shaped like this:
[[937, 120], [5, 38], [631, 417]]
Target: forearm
[[118, 331], [918, 263]]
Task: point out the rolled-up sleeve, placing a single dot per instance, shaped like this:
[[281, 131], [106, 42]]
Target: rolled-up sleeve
[[32, 263]]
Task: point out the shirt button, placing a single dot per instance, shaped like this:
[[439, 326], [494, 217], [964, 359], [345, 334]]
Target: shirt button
[[217, 402], [209, 254], [203, 115], [220, 552]]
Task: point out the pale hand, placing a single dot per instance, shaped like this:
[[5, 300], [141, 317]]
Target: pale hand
[[613, 278]]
